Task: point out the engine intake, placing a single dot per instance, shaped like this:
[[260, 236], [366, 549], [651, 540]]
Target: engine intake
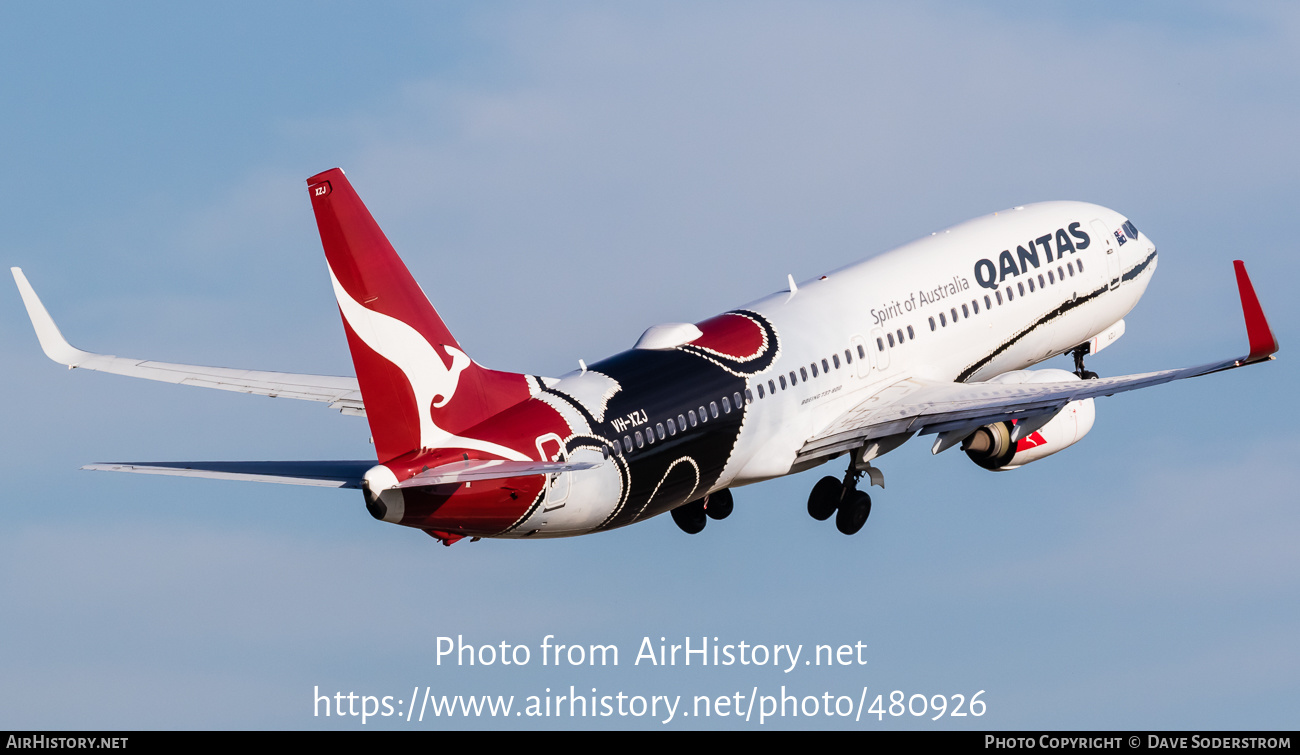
[[992, 446]]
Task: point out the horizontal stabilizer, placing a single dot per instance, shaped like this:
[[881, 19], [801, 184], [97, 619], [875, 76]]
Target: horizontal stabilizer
[[323, 474], [472, 470], [340, 393]]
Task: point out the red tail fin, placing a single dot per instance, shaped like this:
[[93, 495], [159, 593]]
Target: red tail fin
[[420, 389]]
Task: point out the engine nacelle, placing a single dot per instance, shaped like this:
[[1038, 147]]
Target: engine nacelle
[[992, 446]]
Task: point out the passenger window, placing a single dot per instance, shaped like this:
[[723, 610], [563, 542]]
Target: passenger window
[[659, 430], [890, 336], [640, 442], [836, 359], [1011, 294], [826, 367], [771, 387], [604, 451], [691, 413], [880, 345], [726, 405], [1070, 266], [848, 357], [1041, 284], [1021, 286], [782, 379], [1031, 285], [713, 409], [672, 426], [1080, 264], [965, 311], [862, 353], [704, 415], [803, 374], [932, 326], [627, 444], [988, 303], [900, 335], [999, 295], [1060, 273], [794, 379], [736, 399], [814, 369], [954, 315], [1050, 277], [911, 334], [749, 397], [681, 422], [760, 390], [943, 320]]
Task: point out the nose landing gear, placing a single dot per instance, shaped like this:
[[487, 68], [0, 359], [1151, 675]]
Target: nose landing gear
[[1079, 352]]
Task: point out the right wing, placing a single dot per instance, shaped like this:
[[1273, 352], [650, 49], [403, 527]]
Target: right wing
[[955, 410], [340, 393]]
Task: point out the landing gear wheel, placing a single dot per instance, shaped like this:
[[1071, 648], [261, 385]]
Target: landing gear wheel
[[825, 498], [690, 517], [1088, 375], [719, 505], [853, 513]]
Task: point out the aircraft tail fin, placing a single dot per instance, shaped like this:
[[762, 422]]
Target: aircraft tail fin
[[418, 385]]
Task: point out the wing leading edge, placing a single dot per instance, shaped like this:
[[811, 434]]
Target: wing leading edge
[[910, 406], [340, 393]]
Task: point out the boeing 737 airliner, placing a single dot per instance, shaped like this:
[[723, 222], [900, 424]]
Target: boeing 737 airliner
[[932, 338]]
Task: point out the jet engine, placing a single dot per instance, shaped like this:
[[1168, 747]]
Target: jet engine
[[1002, 445]]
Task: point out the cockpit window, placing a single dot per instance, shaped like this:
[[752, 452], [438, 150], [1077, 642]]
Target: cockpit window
[[1130, 230]]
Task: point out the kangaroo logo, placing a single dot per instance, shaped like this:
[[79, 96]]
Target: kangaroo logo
[[432, 381]]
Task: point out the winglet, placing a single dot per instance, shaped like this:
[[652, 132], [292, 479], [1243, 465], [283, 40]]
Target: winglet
[[53, 343], [1263, 344]]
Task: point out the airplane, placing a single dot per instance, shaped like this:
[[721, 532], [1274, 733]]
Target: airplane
[[932, 338]]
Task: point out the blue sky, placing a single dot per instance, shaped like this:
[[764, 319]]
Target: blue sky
[[535, 163]]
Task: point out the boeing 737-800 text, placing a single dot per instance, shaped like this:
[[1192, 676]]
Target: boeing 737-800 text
[[932, 338]]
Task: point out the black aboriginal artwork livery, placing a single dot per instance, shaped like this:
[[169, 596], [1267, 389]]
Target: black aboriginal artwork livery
[[678, 413]]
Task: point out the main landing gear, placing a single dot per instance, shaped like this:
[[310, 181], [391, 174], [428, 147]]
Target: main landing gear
[[842, 498], [1078, 352], [691, 517]]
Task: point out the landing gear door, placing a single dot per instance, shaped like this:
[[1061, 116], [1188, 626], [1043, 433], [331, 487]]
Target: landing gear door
[[550, 447], [1112, 253]]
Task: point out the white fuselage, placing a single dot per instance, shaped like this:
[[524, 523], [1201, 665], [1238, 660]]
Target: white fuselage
[[960, 299]]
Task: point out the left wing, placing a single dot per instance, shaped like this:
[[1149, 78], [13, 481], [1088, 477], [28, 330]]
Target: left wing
[[340, 393], [958, 409]]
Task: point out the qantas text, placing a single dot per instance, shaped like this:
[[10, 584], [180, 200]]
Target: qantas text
[[1054, 245]]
